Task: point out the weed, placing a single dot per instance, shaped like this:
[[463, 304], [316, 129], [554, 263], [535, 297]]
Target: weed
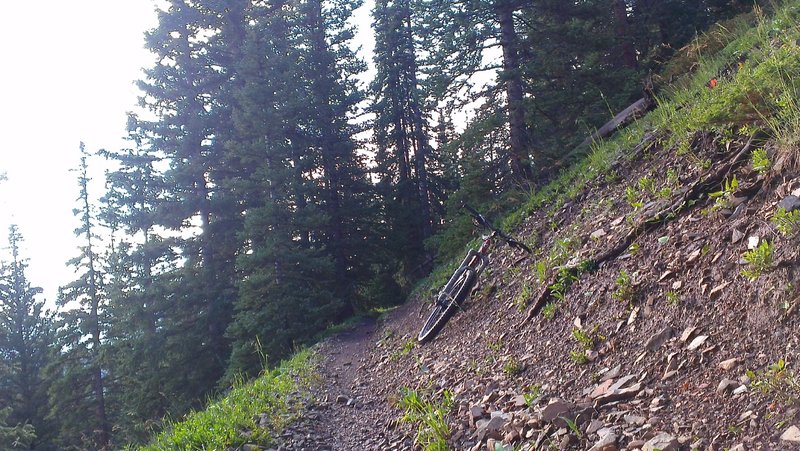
[[725, 196], [549, 310], [758, 259], [776, 380], [760, 161], [586, 340], [624, 291], [632, 197], [646, 183], [634, 248], [429, 416], [788, 223], [532, 394], [564, 280], [405, 350], [541, 270], [673, 298], [578, 356], [521, 300], [573, 426], [512, 367], [495, 346]]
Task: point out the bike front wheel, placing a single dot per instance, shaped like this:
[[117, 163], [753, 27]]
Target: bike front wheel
[[446, 303]]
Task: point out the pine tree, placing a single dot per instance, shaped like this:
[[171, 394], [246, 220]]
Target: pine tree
[[196, 45], [25, 344], [79, 373]]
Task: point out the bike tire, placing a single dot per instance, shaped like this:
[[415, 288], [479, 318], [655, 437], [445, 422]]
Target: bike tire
[[441, 314]]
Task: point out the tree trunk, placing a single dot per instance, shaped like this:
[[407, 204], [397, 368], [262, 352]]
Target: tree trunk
[[420, 140], [623, 32], [509, 41]]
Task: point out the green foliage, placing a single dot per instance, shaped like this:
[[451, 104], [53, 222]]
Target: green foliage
[[549, 310], [541, 270], [531, 394], [632, 197], [586, 340], [512, 366], [759, 160], [778, 381], [578, 356], [18, 437], [673, 298], [233, 420], [521, 299], [788, 223], [758, 259], [624, 291], [429, 416], [724, 197]]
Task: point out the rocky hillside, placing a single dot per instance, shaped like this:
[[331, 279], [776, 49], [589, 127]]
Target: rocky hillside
[[659, 311]]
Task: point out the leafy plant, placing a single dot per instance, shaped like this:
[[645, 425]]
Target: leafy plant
[[533, 392], [646, 183], [776, 380], [429, 416], [632, 197], [673, 298], [549, 310], [758, 259], [578, 356], [725, 196], [512, 366], [624, 291], [759, 160], [541, 270], [583, 338], [788, 223], [521, 300]]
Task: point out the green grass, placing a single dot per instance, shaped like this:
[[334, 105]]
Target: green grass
[[231, 421], [429, 416]]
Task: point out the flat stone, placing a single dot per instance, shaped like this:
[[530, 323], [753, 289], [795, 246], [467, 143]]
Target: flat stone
[[636, 420], [791, 435], [490, 428], [697, 342], [662, 442], [594, 426], [736, 236], [597, 234], [619, 395], [657, 340], [557, 409], [476, 412], [789, 203], [612, 373], [607, 442], [728, 364], [726, 385], [601, 389], [687, 333]]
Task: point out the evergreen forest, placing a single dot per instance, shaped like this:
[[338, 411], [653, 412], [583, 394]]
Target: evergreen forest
[[276, 184]]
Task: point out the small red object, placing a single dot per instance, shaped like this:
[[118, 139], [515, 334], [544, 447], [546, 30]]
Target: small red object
[[712, 83]]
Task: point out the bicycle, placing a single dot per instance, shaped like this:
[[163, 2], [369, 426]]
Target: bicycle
[[464, 278]]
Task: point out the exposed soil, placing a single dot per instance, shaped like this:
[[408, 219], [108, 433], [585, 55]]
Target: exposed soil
[[678, 358]]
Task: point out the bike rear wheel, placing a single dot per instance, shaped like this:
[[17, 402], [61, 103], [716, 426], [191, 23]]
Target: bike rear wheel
[[446, 303]]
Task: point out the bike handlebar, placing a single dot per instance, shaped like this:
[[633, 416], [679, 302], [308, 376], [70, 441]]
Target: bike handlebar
[[480, 219]]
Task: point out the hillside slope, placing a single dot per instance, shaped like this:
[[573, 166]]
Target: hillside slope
[[680, 329], [659, 311]]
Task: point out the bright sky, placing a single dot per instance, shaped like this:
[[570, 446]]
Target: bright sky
[[67, 76]]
